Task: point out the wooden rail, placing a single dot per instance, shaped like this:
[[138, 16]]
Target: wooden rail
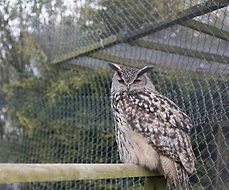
[[207, 29], [181, 51], [25, 173]]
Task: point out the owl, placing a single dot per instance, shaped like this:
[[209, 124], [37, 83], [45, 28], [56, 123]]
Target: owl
[[150, 129]]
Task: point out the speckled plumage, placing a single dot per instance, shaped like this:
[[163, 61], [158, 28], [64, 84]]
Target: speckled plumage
[[151, 130]]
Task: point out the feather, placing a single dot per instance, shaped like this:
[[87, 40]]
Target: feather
[[165, 127]]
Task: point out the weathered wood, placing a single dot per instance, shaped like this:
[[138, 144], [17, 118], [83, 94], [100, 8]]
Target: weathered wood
[[155, 183], [91, 47], [22, 173], [159, 67], [181, 51], [117, 59], [197, 10], [207, 29]]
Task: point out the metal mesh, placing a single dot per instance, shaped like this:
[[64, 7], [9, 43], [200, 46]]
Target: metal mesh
[[62, 114]]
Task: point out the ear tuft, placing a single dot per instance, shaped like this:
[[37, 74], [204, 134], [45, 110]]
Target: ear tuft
[[144, 70], [114, 66]]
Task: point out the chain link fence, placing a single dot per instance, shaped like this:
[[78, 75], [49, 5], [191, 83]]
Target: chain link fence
[[61, 113]]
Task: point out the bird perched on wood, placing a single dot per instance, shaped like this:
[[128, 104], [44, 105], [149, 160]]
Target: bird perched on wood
[[151, 130]]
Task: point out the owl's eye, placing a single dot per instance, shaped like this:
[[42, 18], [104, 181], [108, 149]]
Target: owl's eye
[[137, 81], [121, 81]]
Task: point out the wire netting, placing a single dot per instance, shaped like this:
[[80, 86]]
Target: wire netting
[[57, 108]]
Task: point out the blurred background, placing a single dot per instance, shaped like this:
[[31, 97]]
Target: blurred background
[[55, 82]]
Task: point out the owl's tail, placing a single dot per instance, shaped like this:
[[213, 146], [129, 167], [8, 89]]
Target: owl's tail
[[182, 181]]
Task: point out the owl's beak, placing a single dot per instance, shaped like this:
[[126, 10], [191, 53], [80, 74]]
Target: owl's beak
[[128, 87]]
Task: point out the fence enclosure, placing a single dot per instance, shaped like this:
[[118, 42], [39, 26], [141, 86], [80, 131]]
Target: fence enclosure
[[58, 109]]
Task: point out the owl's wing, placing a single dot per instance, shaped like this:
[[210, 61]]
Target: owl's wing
[[163, 124]]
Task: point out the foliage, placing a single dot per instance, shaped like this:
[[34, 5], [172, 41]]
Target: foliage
[[26, 97], [61, 118]]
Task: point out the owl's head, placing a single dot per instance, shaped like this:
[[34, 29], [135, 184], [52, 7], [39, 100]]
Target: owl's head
[[131, 79]]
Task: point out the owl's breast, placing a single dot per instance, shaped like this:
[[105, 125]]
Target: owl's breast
[[134, 148]]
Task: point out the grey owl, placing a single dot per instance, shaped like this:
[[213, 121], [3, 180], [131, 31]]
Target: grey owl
[[150, 129]]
